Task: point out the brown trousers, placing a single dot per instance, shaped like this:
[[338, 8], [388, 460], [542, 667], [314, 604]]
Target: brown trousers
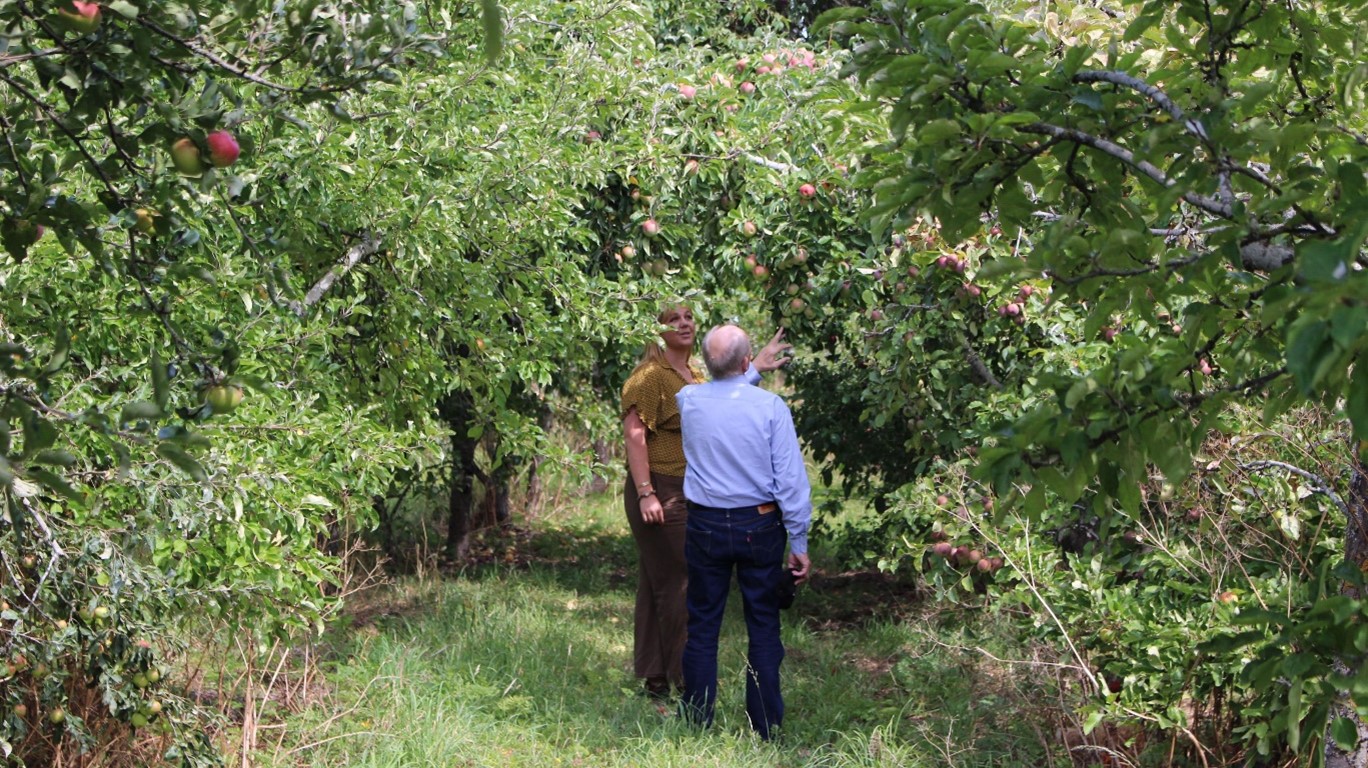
[[662, 619]]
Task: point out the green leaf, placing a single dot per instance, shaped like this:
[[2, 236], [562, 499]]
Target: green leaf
[[124, 9], [1356, 399], [161, 389], [183, 461], [139, 410], [492, 18], [835, 16], [54, 458], [53, 482], [1345, 733]]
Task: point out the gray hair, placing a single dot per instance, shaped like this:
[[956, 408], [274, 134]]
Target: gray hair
[[724, 349]]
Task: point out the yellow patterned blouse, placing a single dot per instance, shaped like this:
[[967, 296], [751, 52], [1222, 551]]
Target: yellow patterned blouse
[[651, 389]]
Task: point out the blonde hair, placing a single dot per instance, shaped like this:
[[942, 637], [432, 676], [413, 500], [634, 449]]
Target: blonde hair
[[653, 352]]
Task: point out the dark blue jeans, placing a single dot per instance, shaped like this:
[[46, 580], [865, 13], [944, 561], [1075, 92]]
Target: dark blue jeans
[[716, 542]]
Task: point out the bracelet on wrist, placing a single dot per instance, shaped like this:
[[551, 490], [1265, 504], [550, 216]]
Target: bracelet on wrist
[[643, 485], [646, 493]]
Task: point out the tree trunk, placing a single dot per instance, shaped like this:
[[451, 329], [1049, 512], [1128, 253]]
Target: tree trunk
[[458, 410], [1356, 550]]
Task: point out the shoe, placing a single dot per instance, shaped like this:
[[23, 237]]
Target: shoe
[[657, 689]]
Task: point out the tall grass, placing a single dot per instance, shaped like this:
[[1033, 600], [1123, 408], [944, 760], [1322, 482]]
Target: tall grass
[[530, 665]]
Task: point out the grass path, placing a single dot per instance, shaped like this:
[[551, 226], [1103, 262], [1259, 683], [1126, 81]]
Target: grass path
[[529, 665]]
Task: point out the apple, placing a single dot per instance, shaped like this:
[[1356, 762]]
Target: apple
[[57, 716], [79, 16], [101, 612], [792, 289], [742, 64], [942, 500], [28, 562], [138, 720], [1227, 597], [875, 315], [144, 222], [801, 256], [223, 148], [687, 91], [1025, 292], [750, 261], [222, 398], [942, 548], [690, 167], [747, 87], [1204, 367], [154, 707], [760, 270], [763, 69], [20, 711], [628, 252], [983, 564], [592, 136], [186, 157], [1109, 333], [651, 227], [749, 229], [796, 304], [975, 556], [807, 191]]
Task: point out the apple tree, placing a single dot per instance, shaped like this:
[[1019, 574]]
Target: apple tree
[[1184, 180]]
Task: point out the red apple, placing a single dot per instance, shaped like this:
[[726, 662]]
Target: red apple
[[592, 136], [749, 228], [690, 167], [942, 500], [796, 304], [942, 548], [808, 191], [651, 227], [687, 91], [186, 157], [628, 252], [742, 64], [747, 87], [223, 148], [79, 17]]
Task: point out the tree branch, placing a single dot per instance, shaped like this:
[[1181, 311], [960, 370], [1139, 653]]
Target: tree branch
[[1154, 94], [1317, 482], [370, 244], [1207, 204]]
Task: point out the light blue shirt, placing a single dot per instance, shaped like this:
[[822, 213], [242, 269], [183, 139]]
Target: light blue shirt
[[741, 449]]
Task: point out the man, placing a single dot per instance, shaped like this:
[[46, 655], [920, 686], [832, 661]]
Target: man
[[747, 491]]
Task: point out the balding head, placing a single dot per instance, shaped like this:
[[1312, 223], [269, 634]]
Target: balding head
[[725, 351]]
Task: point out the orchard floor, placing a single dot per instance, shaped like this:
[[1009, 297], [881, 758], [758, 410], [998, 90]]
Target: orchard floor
[[524, 660]]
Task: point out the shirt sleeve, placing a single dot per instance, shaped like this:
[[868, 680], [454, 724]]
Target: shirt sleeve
[[793, 491], [642, 391], [753, 375]]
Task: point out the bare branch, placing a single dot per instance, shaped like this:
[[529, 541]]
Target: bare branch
[[370, 243], [1154, 94], [1207, 204], [1318, 483]]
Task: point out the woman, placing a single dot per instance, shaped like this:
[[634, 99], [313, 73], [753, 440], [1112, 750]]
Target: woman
[[654, 493]]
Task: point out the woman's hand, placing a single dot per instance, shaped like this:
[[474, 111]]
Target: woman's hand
[[651, 510], [769, 358]]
